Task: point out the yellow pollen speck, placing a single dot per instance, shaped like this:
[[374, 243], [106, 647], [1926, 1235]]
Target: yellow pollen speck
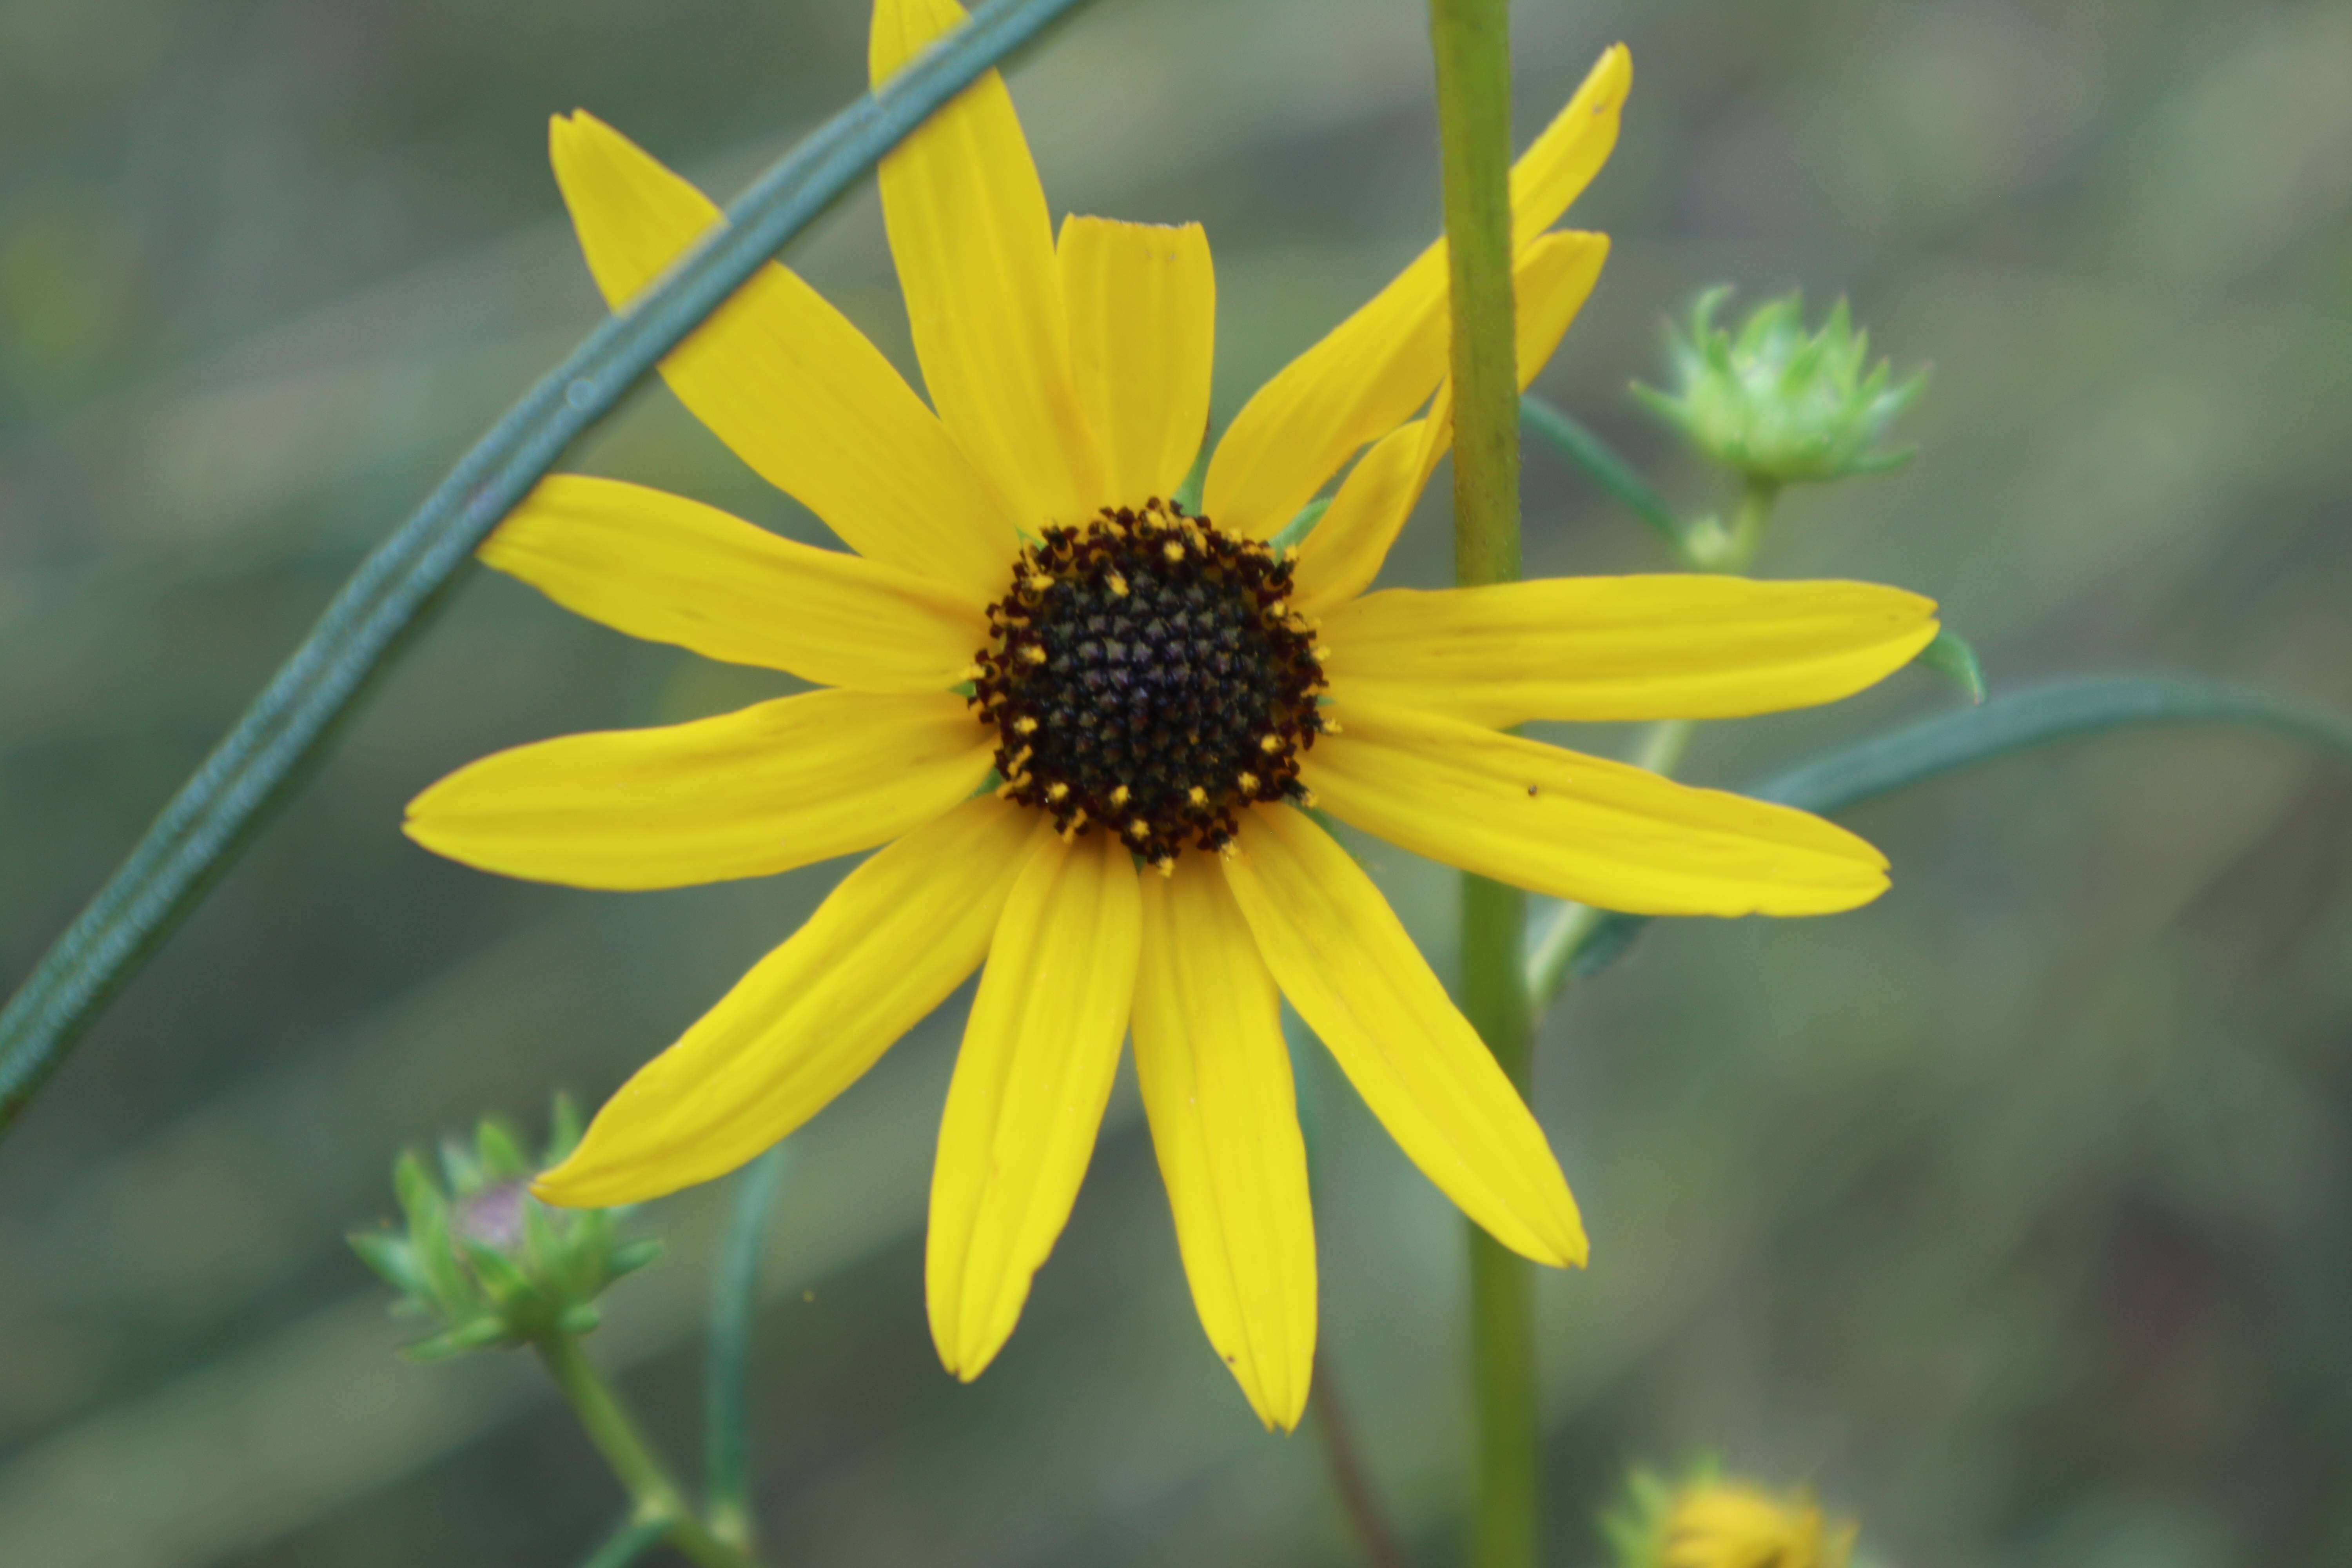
[[1328, 726], [1197, 795], [1306, 797], [1173, 550], [1007, 787], [1138, 828], [1038, 581], [1248, 783], [1320, 652], [1279, 608], [1117, 584], [1078, 819], [1269, 744], [1165, 865], [1033, 653], [975, 672], [1120, 796], [1226, 851], [1025, 725], [1057, 791]]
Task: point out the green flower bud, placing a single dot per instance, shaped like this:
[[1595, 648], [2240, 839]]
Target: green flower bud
[[482, 1261], [1777, 404]]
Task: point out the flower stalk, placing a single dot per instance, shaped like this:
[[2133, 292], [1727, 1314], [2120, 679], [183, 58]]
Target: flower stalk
[[1470, 40], [654, 1496]]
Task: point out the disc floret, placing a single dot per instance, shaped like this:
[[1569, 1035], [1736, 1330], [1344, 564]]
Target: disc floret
[[1148, 678]]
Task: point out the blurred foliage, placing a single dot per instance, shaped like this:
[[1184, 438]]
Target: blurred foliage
[[2016, 1211]]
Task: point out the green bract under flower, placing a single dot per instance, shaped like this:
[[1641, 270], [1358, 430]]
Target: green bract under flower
[[1776, 402], [483, 1260]]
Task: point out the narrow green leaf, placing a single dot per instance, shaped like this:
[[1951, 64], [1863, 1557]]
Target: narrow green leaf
[[1950, 655], [1916, 753], [407, 576], [734, 1303], [1581, 445], [2058, 710]]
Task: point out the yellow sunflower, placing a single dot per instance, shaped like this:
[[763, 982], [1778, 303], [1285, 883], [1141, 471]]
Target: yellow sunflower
[[1081, 722]]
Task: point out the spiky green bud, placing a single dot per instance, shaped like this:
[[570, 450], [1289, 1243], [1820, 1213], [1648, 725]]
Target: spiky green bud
[[1776, 402], [481, 1260]]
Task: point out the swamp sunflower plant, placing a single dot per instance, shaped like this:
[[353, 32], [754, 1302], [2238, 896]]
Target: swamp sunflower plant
[[1080, 723]]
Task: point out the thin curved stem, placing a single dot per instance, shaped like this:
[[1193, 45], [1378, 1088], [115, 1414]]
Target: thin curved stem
[[1358, 1499], [652, 1494], [734, 1303]]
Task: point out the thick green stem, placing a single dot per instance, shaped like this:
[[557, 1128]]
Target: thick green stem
[[653, 1495], [1471, 39], [1471, 42], [1507, 1522]]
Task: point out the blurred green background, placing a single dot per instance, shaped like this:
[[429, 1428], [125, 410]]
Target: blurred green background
[[2014, 1213]]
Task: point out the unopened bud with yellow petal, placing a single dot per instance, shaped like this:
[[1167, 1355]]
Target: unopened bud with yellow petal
[[1710, 1520]]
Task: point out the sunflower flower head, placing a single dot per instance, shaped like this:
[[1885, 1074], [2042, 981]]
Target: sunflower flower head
[[1777, 403], [1710, 1521], [1078, 684], [485, 1262]]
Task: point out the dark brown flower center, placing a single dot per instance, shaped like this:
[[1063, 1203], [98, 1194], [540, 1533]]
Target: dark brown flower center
[[1146, 677]]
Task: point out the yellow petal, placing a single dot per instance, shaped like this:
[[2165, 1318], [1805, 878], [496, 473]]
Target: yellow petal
[[659, 566], [1029, 1089], [784, 380], [1581, 827], [1347, 964], [1374, 369], [1215, 1076], [1366, 376], [1343, 553], [888, 944], [1551, 281], [1142, 298], [1561, 161], [1682, 647], [975, 254], [779, 785]]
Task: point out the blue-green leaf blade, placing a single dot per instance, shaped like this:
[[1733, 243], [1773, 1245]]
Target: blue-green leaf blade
[[1916, 753]]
